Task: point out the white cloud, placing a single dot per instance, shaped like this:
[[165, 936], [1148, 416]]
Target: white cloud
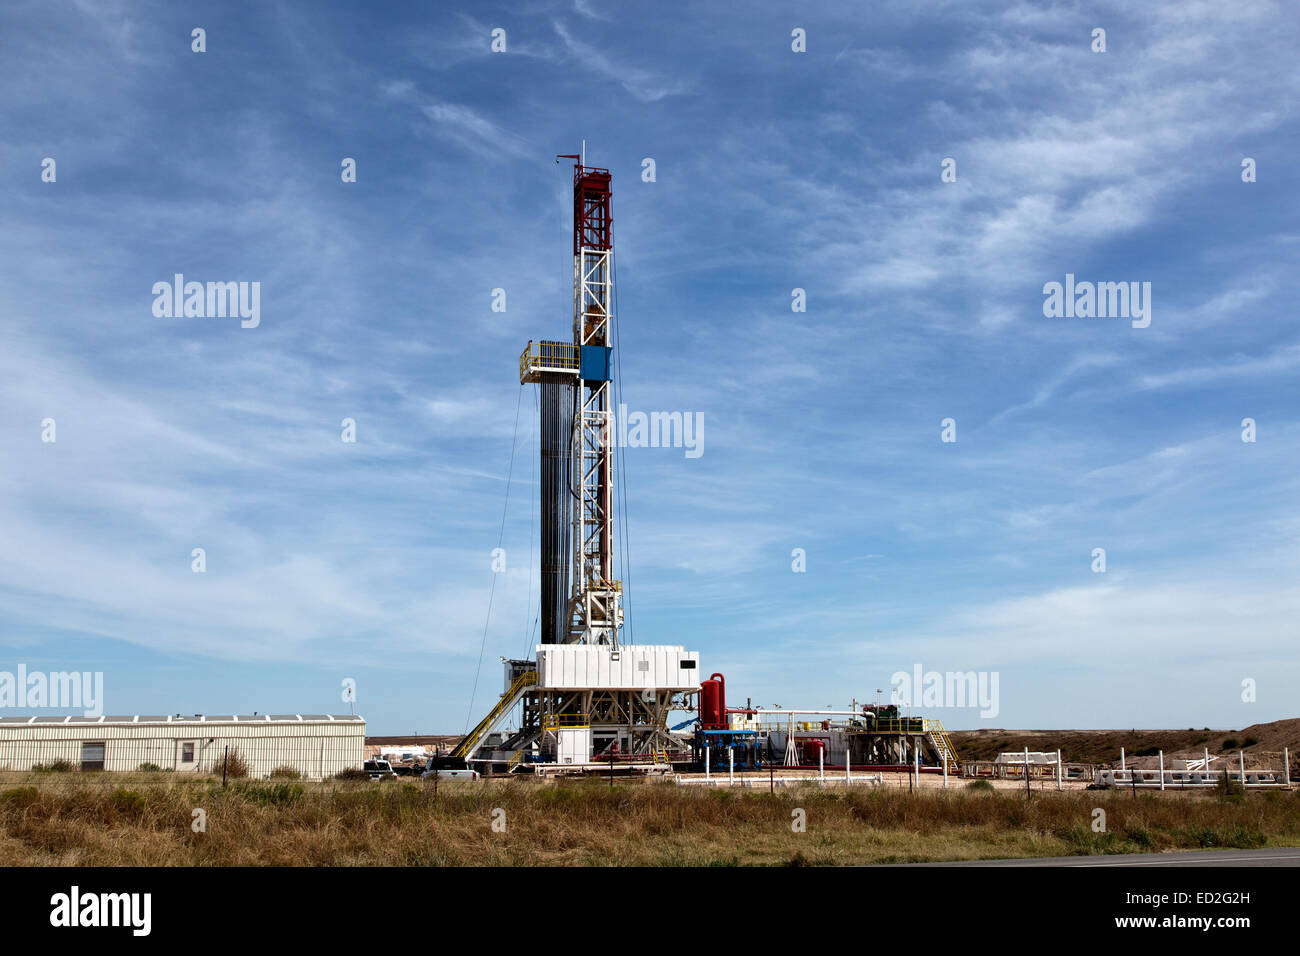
[[643, 84], [474, 131]]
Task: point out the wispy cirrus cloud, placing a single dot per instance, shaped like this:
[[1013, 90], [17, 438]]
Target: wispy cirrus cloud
[[461, 124], [645, 85]]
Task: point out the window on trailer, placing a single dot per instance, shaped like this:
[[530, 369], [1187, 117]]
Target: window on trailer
[[92, 756], [187, 753]]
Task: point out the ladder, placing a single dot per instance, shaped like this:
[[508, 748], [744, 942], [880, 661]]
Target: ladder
[[475, 737]]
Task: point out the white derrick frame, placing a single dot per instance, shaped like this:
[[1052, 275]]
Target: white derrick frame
[[596, 611]]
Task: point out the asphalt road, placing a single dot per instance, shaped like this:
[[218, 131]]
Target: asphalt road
[[1280, 856]]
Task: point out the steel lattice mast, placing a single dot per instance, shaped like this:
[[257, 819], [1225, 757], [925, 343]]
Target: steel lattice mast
[[575, 380], [586, 701]]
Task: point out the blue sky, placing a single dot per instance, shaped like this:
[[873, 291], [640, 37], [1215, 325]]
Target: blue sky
[[775, 170]]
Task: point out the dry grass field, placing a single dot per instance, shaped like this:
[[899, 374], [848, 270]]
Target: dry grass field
[[73, 819]]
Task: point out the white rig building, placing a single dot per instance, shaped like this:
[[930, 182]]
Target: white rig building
[[315, 745]]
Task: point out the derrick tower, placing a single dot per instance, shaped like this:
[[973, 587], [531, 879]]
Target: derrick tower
[[581, 598], [586, 701]]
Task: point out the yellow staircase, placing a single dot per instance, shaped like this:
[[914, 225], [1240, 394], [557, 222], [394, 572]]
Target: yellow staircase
[[474, 737], [942, 743]]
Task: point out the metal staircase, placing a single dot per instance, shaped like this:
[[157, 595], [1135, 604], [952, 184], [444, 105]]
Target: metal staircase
[[522, 739], [475, 737], [942, 743]]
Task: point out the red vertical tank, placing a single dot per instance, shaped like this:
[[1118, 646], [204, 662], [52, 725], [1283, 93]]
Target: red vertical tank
[[713, 703], [710, 691]]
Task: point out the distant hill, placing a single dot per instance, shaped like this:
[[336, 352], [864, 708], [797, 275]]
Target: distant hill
[[1259, 741]]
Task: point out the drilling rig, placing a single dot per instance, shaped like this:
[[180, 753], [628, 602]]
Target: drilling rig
[[587, 701]]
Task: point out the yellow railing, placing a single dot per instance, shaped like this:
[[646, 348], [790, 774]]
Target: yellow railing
[[782, 723], [770, 721], [565, 721], [525, 679], [539, 356], [899, 725]]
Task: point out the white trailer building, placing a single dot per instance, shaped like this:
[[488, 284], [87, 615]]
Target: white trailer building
[[316, 745]]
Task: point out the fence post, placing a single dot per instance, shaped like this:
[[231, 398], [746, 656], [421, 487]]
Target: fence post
[[821, 765], [1162, 770], [731, 766], [1059, 782], [225, 762], [707, 777]]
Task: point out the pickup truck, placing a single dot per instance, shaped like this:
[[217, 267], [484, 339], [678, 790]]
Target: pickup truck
[[378, 768], [445, 774]]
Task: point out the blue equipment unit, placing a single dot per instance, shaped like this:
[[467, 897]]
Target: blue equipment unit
[[594, 363]]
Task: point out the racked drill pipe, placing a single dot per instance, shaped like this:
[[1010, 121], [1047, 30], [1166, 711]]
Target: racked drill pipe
[[556, 504]]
